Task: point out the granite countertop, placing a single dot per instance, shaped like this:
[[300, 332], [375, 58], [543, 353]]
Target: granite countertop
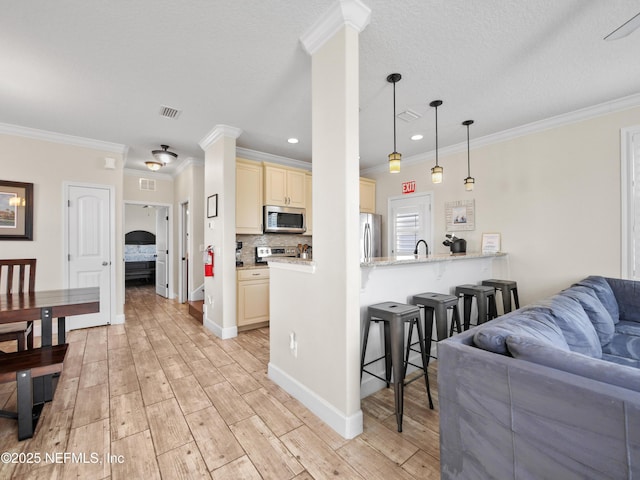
[[252, 266], [413, 259]]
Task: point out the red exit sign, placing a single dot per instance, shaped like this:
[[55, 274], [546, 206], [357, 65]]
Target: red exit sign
[[408, 187]]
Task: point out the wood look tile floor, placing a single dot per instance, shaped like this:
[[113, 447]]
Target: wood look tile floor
[[161, 397]]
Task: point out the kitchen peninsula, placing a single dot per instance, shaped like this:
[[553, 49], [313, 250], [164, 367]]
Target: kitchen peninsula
[[397, 279]]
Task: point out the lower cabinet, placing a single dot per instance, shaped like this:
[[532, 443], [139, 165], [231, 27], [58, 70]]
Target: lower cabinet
[[253, 298]]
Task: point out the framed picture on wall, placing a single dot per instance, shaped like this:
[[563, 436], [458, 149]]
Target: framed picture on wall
[[212, 206], [460, 215], [16, 210]]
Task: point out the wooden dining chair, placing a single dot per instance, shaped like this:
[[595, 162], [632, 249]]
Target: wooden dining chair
[[20, 275]]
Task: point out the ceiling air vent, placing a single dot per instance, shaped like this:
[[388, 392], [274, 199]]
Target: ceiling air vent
[[169, 112], [148, 184], [409, 116]]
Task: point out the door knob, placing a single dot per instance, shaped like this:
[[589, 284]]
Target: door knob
[[104, 264]]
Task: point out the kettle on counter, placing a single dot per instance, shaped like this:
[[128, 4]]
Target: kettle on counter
[[458, 246]]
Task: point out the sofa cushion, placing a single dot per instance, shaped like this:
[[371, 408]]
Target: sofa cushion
[[629, 362], [628, 328], [604, 293], [627, 294], [627, 346], [576, 327], [598, 315], [536, 351], [492, 336]]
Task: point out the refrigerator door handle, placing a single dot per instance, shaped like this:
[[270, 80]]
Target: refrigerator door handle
[[367, 241]]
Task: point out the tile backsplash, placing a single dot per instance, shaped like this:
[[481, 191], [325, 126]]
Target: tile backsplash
[[250, 242]]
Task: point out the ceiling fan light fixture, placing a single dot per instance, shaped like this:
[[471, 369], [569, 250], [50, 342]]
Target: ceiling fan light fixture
[[394, 157], [437, 171], [164, 156], [153, 165]]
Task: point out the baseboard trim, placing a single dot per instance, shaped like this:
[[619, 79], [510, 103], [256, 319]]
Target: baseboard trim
[[218, 331], [347, 426], [119, 320]]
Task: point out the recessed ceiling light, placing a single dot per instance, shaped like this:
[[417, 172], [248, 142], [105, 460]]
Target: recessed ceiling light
[[417, 136], [292, 140]]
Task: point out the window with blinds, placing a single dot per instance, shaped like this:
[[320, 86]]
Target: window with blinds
[[410, 221], [408, 230]]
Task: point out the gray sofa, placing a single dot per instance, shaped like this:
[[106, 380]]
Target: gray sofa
[[551, 390]]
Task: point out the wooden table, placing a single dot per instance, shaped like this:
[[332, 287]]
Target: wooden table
[[44, 306]]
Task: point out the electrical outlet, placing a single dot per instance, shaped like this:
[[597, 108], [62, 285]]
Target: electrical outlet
[[293, 344]]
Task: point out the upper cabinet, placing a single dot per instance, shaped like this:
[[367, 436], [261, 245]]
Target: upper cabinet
[[367, 195], [248, 197], [309, 205], [284, 186]]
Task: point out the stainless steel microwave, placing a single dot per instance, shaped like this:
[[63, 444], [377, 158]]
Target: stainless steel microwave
[[284, 219]]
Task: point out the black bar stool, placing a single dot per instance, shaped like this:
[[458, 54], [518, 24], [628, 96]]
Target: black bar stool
[[395, 316], [437, 304], [485, 302], [508, 288]]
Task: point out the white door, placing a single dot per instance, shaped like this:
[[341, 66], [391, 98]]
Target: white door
[[409, 221], [162, 251], [89, 248], [184, 253]]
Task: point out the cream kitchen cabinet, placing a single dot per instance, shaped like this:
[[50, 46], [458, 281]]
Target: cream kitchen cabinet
[[309, 205], [284, 186], [248, 197], [367, 195], [253, 298]]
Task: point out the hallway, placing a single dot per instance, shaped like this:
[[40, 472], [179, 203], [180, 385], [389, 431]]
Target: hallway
[[161, 397]]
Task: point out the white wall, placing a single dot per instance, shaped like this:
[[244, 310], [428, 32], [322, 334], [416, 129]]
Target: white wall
[[553, 195], [189, 187], [220, 232], [137, 217], [48, 166]]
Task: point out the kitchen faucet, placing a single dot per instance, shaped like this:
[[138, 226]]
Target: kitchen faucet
[[415, 252]]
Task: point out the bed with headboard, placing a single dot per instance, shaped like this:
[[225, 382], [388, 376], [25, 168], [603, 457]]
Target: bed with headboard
[[140, 256]]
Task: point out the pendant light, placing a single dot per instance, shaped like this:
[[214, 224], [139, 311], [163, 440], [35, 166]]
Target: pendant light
[[436, 172], [395, 157], [469, 182]]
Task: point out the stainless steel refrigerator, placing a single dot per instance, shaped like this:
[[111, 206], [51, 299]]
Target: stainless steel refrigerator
[[370, 235]]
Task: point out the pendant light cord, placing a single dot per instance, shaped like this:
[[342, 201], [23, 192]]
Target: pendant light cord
[[468, 154], [436, 135], [394, 117]]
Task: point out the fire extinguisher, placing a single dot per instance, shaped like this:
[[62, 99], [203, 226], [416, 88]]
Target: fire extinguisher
[[208, 261]]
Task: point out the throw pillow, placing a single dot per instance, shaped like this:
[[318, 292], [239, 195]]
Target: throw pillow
[[598, 315], [576, 327], [604, 293]]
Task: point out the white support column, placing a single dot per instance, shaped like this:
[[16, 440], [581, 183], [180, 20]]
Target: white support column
[[321, 308], [220, 230]]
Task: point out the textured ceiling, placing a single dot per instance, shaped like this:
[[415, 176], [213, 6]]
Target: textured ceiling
[[102, 70]]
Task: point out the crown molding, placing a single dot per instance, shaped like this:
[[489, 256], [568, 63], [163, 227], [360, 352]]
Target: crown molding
[[218, 132], [576, 116], [257, 156], [64, 139], [185, 163], [352, 13]]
